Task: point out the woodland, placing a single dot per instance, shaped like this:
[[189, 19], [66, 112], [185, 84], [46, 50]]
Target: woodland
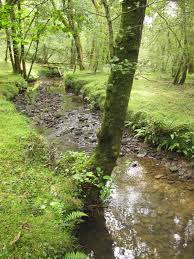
[[92, 91]]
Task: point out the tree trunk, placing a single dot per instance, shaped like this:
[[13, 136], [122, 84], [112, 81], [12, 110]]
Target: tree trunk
[[75, 33], [10, 50], [184, 75], [23, 61], [177, 75], [22, 56], [34, 58], [119, 85], [91, 57], [16, 51], [6, 52], [73, 54], [79, 51], [110, 27]]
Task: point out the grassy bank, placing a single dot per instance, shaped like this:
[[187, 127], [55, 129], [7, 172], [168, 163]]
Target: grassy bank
[[158, 111], [37, 207]]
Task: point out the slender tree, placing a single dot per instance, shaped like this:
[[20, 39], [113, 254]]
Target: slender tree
[[120, 83], [110, 27]]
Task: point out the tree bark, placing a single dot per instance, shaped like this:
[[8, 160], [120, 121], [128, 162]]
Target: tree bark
[[6, 52], [110, 27], [73, 54], [79, 49], [21, 35], [10, 50], [184, 75], [119, 85], [34, 57], [16, 52], [76, 35]]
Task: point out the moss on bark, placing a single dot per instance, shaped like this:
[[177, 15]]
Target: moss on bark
[[119, 84]]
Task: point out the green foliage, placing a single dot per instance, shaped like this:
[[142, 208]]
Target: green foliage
[[178, 139], [73, 84], [49, 72], [75, 255], [74, 217], [91, 86], [75, 164], [21, 84], [10, 84]]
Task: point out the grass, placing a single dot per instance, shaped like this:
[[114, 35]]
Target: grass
[[153, 103], [34, 202]]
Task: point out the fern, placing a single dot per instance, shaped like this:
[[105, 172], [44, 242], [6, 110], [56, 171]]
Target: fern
[[75, 215], [75, 255]]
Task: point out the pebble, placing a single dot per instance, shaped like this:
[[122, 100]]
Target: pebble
[[159, 176]]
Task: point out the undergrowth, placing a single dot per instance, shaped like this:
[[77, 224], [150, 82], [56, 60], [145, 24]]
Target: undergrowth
[[75, 164]]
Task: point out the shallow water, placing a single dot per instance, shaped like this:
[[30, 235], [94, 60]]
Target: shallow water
[[144, 217]]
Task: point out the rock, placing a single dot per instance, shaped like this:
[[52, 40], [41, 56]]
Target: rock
[[134, 164], [142, 154], [190, 188], [82, 118], [181, 172], [92, 140], [159, 176], [78, 132], [71, 128], [173, 169], [171, 182]]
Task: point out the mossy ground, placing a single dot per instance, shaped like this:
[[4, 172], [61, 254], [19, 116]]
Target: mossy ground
[[33, 200], [153, 101]]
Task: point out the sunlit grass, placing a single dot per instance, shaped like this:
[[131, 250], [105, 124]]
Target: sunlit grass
[[173, 105]]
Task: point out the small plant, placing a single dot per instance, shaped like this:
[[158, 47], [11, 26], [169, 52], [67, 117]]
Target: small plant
[[73, 217], [75, 255], [50, 72], [74, 164], [21, 84]]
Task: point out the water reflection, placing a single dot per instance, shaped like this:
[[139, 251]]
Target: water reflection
[[149, 218]]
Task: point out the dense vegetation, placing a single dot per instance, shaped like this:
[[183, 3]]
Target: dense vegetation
[[133, 60]]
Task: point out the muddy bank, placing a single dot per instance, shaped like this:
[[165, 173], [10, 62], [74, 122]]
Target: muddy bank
[[68, 122]]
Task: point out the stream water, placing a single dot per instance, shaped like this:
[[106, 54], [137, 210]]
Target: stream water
[[145, 216]]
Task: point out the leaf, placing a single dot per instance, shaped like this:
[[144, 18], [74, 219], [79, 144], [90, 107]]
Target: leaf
[[75, 255], [74, 216]]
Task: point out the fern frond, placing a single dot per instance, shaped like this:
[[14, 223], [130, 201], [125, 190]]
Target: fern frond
[[75, 255], [74, 216]]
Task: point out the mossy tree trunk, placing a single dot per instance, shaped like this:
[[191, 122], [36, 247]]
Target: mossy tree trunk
[[120, 83], [79, 49], [73, 54]]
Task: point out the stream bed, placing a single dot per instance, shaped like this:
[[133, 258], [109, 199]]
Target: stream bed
[[148, 214]]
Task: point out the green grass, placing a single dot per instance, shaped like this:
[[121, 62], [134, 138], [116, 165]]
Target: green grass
[[34, 202], [153, 103]]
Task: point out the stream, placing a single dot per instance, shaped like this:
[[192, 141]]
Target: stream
[[148, 214]]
